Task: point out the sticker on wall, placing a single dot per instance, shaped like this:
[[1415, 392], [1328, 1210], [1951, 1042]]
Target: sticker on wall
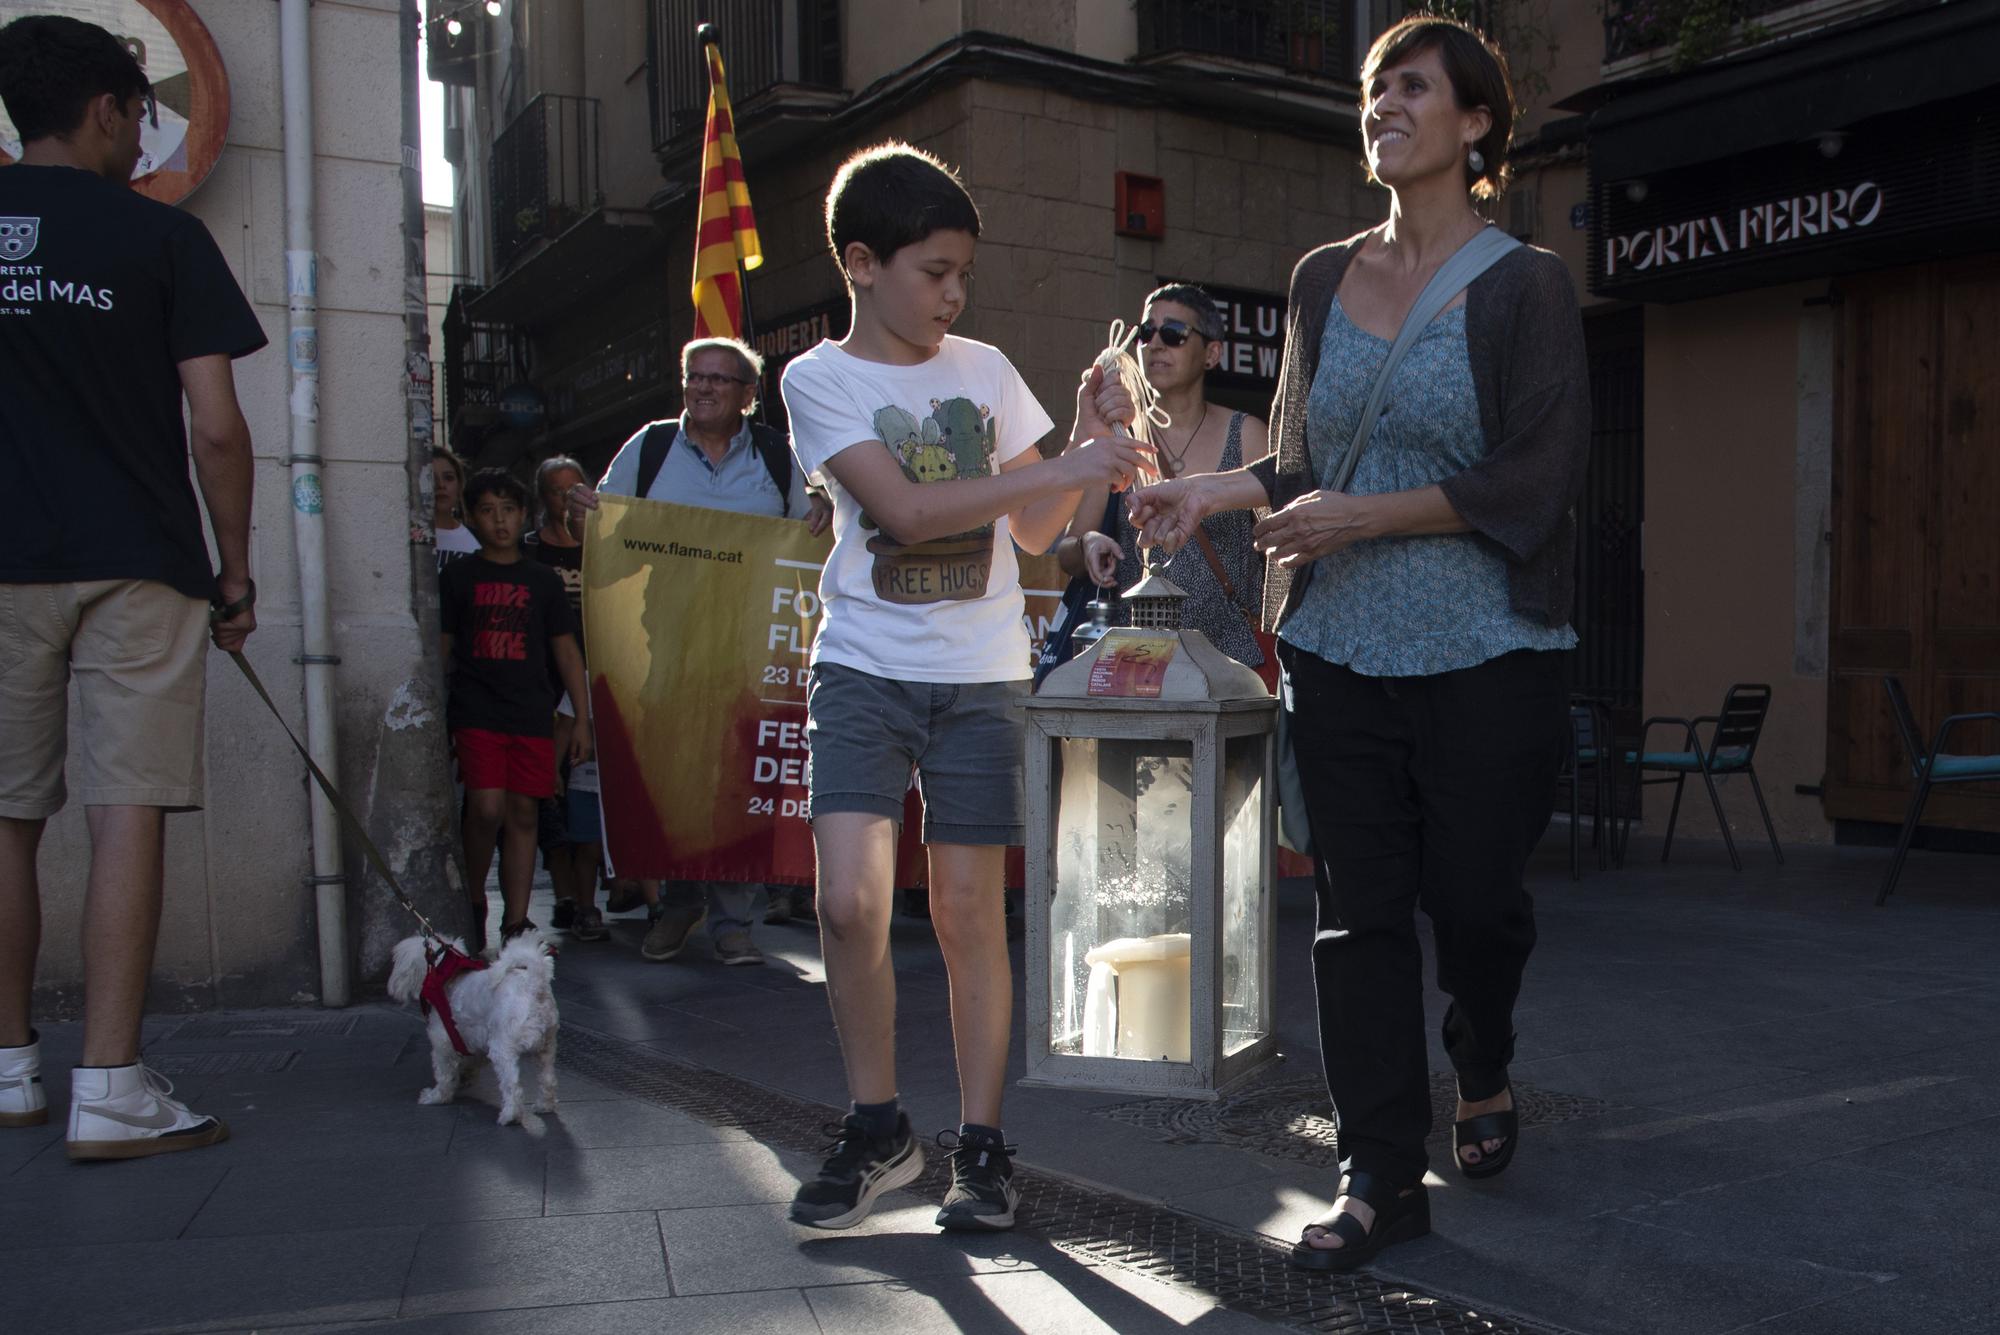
[[303, 348], [306, 498], [302, 273], [182, 134]]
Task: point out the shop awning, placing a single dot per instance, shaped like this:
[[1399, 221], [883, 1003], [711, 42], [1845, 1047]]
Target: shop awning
[[1798, 90]]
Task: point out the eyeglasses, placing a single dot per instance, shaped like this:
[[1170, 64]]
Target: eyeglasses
[[703, 380], [1173, 333]]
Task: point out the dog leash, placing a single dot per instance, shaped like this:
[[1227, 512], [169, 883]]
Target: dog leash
[[380, 863], [444, 961]]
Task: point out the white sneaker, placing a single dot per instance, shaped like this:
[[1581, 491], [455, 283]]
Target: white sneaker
[[22, 1102], [123, 1112]]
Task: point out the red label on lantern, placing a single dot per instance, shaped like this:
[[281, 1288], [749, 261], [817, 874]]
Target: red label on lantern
[[1134, 666]]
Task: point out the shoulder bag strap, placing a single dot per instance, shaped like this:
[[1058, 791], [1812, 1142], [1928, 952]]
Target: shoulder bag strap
[[776, 452], [1472, 259], [653, 453]]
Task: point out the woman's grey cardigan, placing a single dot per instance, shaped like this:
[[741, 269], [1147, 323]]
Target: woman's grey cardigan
[[1524, 338]]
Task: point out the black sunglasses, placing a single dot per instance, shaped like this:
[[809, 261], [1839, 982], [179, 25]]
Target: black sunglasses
[[1173, 333]]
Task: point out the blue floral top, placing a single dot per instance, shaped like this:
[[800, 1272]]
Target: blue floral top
[[1410, 606]]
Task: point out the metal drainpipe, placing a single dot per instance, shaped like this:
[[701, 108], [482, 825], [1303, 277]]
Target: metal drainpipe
[[329, 879]]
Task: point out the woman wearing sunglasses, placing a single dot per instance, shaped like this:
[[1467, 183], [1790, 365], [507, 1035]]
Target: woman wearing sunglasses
[[1178, 343], [1431, 440]]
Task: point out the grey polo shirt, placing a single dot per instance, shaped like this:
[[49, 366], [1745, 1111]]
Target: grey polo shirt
[[740, 483]]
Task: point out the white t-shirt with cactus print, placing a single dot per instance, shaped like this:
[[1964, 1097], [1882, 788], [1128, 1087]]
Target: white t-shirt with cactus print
[[948, 610]]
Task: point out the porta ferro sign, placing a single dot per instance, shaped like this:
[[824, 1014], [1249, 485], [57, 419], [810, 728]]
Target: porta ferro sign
[[1769, 224]]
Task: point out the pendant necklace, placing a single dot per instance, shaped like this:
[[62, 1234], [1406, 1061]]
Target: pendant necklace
[[1179, 460]]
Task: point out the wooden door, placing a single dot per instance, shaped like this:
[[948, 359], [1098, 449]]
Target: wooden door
[[1916, 533]]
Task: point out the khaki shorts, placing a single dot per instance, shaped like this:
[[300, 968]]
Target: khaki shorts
[[138, 649]]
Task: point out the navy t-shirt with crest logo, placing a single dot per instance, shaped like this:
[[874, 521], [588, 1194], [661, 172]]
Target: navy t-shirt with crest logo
[[103, 292]]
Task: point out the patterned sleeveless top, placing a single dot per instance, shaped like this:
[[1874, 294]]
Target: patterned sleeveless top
[[1208, 609], [1408, 606]]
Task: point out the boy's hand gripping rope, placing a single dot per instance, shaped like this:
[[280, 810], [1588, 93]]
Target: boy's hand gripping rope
[[1118, 359]]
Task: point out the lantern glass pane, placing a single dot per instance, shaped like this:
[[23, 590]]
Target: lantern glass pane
[[1245, 1006], [1119, 921]]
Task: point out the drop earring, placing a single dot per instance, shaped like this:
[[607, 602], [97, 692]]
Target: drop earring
[[1477, 161]]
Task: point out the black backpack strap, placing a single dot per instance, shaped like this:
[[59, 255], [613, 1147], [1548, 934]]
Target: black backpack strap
[[653, 453], [776, 452]]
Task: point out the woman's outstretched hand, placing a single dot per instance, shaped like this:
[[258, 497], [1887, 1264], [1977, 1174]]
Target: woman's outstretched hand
[[1100, 559], [1317, 524], [1167, 513]]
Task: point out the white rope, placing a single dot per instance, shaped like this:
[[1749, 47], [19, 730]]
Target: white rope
[[1148, 415], [1118, 358]]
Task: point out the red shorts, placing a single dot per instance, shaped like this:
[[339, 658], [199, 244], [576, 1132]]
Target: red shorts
[[524, 765]]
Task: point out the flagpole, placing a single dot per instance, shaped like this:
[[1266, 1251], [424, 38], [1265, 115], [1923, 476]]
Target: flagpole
[[705, 37]]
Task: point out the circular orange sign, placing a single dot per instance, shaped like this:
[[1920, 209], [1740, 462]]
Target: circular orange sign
[[192, 89]]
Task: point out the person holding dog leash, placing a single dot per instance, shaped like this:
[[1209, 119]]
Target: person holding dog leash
[[117, 308], [1432, 426]]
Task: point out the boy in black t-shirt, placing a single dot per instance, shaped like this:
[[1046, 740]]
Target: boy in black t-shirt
[[505, 620]]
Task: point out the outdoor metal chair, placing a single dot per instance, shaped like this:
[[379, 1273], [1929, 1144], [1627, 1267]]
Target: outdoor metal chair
[[1589, 760], [1732, 746], [1930, 767]]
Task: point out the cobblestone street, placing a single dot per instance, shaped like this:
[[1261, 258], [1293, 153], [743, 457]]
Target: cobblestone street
[[1751, 1101]]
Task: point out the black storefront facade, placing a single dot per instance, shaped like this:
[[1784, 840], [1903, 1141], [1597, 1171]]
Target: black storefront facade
[[1809, 236]]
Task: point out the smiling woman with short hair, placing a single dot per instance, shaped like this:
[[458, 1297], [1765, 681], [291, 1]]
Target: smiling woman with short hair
[[1420, 582]]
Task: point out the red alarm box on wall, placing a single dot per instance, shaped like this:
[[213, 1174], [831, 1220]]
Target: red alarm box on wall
[[1142, 206]]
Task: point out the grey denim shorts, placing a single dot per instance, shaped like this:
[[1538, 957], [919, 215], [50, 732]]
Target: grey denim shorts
[[865, 735]]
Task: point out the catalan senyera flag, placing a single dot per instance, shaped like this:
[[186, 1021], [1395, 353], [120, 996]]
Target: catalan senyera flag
[[727, 232]]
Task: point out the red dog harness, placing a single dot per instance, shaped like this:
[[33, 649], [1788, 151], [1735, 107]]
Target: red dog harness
[[446, 964]]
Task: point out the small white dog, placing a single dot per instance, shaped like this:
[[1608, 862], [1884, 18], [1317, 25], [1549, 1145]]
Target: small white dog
[[504, 1012]]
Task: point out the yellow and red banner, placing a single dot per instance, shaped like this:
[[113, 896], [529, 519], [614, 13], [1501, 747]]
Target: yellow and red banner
[[697, 625], [726, 233]]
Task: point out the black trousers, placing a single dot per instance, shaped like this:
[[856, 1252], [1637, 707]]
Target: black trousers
[[1428, 791]]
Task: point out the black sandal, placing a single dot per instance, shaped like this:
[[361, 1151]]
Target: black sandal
[[1399, 1217], [1475, 1131]]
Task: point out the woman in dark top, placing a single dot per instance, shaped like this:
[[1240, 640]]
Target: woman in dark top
[[1179, 341], [554, 543], [1422, 616]]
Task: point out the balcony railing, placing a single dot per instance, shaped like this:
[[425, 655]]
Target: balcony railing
[[1695, 30], [1317, 37], [481, 360], [765, 44], [546, 174]]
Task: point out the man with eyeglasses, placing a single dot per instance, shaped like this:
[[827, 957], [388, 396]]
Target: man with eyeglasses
[[114, 309], [712, 455]]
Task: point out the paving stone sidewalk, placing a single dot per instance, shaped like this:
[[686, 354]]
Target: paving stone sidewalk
[[1755, 1103]]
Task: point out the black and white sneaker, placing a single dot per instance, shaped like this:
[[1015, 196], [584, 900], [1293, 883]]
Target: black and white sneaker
[[982, 1195], [859, 1169]]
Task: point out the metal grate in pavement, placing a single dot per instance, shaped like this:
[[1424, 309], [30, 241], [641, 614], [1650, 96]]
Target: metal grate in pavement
[[264, 1026], [1289, 1118], [1247, 1273], [260, 1061]]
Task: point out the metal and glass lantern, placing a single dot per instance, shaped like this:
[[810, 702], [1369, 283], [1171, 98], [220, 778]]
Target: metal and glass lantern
[[1151, 785]]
